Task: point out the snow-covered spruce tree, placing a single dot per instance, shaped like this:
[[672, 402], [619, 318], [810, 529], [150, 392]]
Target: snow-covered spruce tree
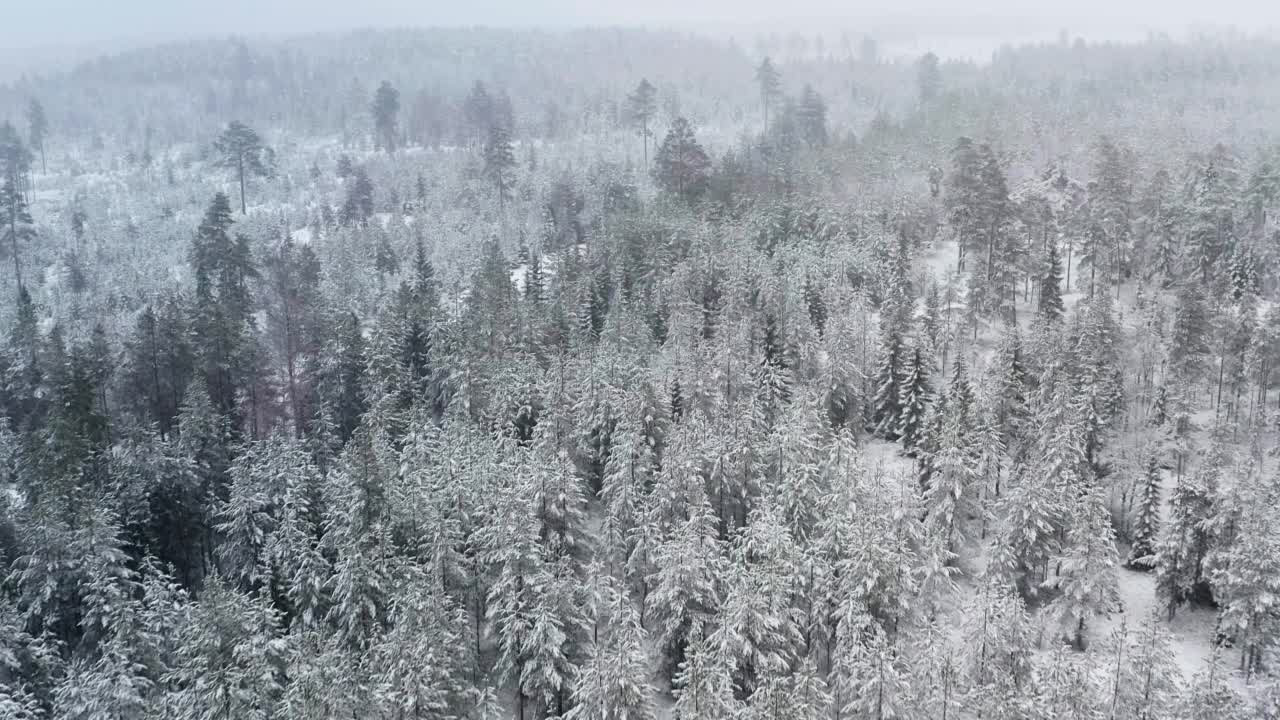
[[325, 679], [1095, 369], [965, 199], [1085, 573], [1049, 303], [873, 667], [703, 685], [792, 467], [800, 695], [1146, 517], [758, 630], [1189, 342], [1210, 694], [735, 472], [112, 686], [1246, 579], [1035, 513], [1142, 675], [561, 499], [628, 474], [886, 409], [528, 600], [997, 642], [1067, 687], [774, 374], [930, 442], [685, 585], [1008, 387], [1211, 197], [108, 584], [952, 494], [913, 401], [293, 558], [417, 666], [1184, 543], [864, 548], [115, 671], [613, 680], [358, 588], [230, 658]]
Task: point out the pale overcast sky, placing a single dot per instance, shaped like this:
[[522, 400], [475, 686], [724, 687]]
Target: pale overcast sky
[[106, 22]]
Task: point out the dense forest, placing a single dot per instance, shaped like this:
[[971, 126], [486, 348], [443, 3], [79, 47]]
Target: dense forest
[[619, 374]]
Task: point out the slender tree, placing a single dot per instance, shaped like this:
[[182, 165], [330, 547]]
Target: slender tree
[[770, 83], [913, 401], [681, 166], [357, 208], [478, 110], [928, 77], [385, 110], [240, 149], [1050, 304], [1146, 531], [642, 104], [500, 161], [811, 115], [18, 226], [38, 129]]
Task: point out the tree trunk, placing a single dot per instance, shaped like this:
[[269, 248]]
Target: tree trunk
[[644, 141], [1067, 283], [1222, 368], [240, 165], [1115, 687], [155, 386], [13, 237]]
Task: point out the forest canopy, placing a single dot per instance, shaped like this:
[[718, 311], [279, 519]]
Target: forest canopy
[[619, 373]]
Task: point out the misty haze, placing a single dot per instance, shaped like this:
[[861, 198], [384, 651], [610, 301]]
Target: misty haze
[[668, 360]]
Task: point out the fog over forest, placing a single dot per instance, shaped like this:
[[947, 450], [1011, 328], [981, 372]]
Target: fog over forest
[[664, 361]]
